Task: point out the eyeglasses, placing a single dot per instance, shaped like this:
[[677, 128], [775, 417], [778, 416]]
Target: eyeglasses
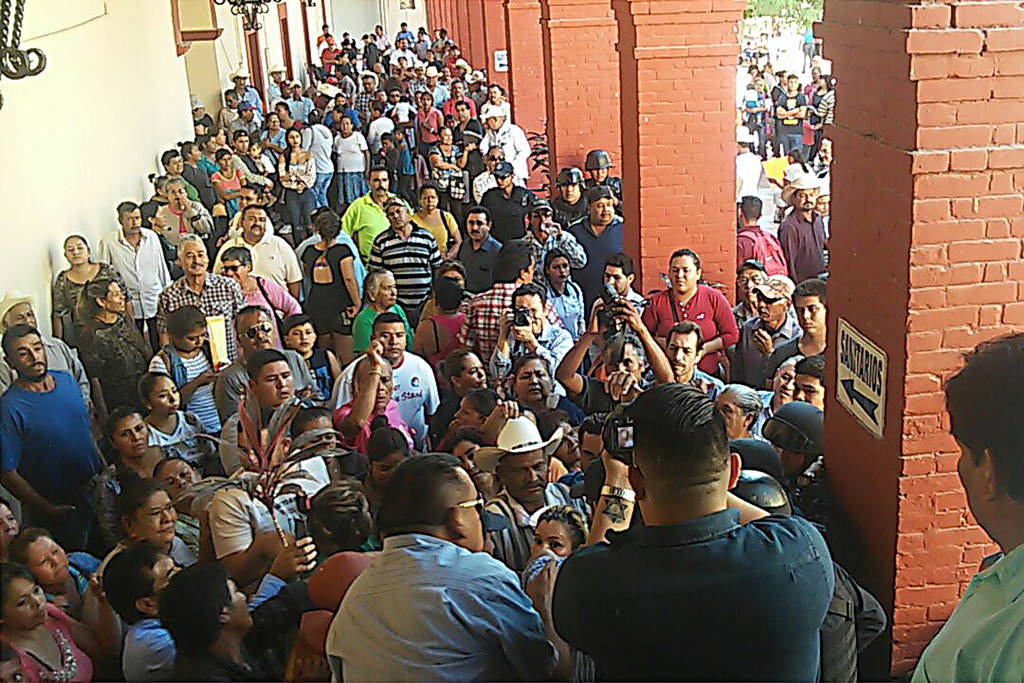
[[478, 504], [768, 299], [258, 329], [490, 158]]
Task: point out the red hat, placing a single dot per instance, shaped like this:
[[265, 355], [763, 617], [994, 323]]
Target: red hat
[[332, 80]]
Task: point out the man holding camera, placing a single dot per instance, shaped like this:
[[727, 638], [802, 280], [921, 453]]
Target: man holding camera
[[524, 329], [704, 572], [626, 343]]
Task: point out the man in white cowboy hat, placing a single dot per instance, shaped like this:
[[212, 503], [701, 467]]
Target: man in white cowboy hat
[[500, 132], [17, 309], [247, 93], [520, 461], [435, 87], [802, 233], [462, 69], [477, 92], [277, 90]]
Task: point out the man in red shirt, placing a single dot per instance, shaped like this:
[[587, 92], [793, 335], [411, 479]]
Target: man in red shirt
[[687, 299]]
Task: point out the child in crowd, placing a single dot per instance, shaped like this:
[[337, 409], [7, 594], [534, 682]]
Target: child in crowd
[[175, 431], [187, 360], [300, 336]]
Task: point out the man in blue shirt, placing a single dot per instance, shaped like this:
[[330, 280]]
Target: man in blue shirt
[[49, 460], [247, 93], [432, 605], [708, 587], [298, 104], [600, 233]]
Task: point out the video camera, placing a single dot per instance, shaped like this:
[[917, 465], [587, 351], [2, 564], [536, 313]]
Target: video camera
[[617, 436], [611, 326]]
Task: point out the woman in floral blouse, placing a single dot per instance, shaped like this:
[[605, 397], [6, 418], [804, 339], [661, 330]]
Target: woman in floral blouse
[[297, 174]]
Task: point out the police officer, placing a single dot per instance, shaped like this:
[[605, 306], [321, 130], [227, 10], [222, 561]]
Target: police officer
[[796, 430], [597, 164], [571, 203]]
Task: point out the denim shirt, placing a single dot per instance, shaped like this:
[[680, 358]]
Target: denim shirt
[[569, 307], [676, 601]]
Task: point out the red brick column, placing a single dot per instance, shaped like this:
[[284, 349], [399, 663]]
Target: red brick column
[[476, 49], [526, 65], [927, 228], [496, 37], [582, 80], [677, 72]]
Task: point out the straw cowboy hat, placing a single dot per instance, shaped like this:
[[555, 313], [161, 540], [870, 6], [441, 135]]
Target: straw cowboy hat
[[276, 69], [238, 73], [370, 74], [519, 435], [10, 300], [804, 181]]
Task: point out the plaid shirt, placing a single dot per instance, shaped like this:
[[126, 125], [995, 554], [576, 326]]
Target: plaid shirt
[[561, 240], [361, 104], [479, 332], [220, 296]]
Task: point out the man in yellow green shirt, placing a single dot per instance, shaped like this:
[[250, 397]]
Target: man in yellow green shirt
[[365, 218]]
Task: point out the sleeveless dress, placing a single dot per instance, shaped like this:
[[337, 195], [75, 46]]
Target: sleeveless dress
[[451, 324], [328, 296]]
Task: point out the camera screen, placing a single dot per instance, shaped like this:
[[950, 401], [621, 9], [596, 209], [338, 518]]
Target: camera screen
[[624, 436]]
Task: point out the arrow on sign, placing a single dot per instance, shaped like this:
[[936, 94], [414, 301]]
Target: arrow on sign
[[866, 404]]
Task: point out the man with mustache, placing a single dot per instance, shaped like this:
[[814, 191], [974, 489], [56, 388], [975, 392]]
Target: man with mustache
[[49, 460]]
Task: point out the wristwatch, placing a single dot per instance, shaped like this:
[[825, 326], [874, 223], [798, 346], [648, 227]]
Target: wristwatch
[[628, 495]]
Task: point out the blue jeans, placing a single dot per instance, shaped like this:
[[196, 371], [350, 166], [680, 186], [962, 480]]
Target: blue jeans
[[791, 141], [320, 189]]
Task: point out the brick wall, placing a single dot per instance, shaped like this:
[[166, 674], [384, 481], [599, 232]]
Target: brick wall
[[928, 221], [676, 72], [527, 75], [582, 75]]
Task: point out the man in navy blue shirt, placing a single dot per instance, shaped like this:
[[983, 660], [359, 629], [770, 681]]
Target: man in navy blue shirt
[[600, 234], [49, 460], [708, 587]]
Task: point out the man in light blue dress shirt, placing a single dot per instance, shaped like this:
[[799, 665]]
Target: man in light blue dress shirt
[[432, 605]]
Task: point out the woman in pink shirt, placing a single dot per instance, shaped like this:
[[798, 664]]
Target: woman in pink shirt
[[372, 387], [236, 263], [50, 645]]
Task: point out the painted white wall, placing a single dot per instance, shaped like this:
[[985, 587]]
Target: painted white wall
[[83, 135], [355, 16], [393, 15]]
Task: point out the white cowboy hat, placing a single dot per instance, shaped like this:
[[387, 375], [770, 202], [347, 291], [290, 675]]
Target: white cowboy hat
[[432, 72], [519, 435], [462, 64], [276, 69], [12, 299], [804, 181], [743, 135], [475, 77], [369, 74], [239, 73], [328, 89], [491, 111]]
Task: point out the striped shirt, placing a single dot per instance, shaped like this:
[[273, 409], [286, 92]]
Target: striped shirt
[[201, 403], [413, 260]]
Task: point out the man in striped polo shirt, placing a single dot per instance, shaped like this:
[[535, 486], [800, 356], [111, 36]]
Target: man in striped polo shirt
[[410, 253]]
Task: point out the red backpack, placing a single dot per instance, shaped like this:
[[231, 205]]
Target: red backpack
[[766, 249]]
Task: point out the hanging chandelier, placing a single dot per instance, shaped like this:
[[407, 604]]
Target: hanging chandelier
[[16, 63], [249, 10]]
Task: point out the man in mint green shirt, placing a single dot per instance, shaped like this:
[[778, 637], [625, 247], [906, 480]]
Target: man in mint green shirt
[[983, 640], [365, 218]]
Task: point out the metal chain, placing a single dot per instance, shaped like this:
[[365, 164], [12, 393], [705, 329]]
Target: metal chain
[[19, 18], [5, 20], [14, 62]]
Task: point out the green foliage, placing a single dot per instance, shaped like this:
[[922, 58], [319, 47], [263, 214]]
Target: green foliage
[[799, 12]]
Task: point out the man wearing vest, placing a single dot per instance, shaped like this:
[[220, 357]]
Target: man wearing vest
[[753, 243]]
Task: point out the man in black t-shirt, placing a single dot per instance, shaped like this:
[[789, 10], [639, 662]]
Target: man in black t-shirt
[[508, 204], [790, 111]]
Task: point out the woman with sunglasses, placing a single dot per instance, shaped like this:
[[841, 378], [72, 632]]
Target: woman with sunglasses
[[236, 263]]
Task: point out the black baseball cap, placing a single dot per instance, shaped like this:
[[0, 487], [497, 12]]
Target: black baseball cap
[[503, 169], [599, 192]]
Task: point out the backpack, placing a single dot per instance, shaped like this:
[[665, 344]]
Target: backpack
[[765, 249]]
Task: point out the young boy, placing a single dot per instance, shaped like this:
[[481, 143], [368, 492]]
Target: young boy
[[187, 360], [406, 172]]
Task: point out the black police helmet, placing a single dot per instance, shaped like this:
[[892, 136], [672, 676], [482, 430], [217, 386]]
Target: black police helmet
[[758, 455], [597, 159], [569, 176], [797, 427], [764, 491]]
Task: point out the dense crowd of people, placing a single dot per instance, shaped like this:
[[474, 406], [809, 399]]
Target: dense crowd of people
[[345, 398]]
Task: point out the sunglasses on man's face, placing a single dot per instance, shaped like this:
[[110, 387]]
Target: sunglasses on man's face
[[259, 329], [230, 269], [768, 299]]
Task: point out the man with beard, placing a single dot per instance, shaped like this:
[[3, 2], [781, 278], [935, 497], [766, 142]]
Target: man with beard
[[571, 203], [684, 347], [365, 216], [802, 233], [49, 460], [601, 235], [17, 310]]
